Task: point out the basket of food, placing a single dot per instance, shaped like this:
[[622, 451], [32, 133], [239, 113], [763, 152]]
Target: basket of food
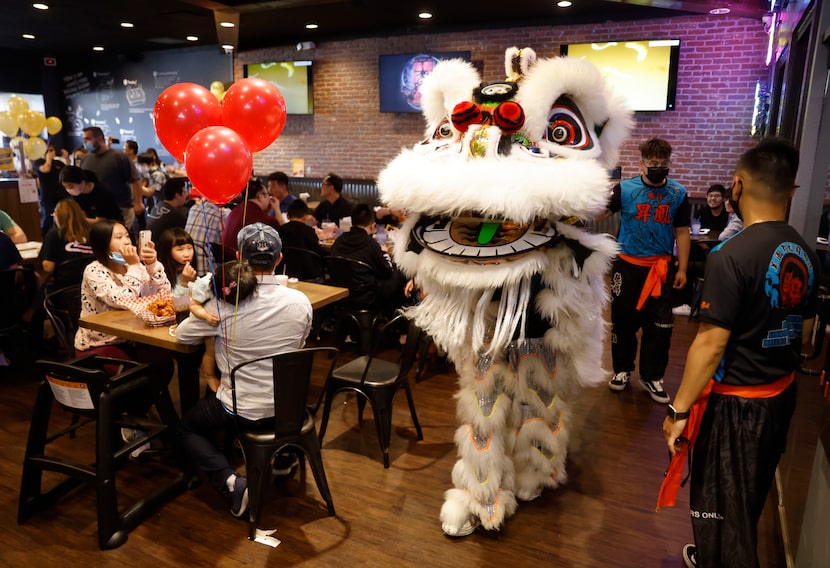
[[153, 310]]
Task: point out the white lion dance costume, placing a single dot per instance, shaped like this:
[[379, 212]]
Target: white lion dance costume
[[514, 290]]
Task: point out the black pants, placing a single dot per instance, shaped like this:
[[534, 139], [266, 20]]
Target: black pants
[[655, 319], [733, 466]]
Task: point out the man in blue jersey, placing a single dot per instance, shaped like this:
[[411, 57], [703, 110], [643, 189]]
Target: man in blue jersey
[[738, 391], [654, 212]]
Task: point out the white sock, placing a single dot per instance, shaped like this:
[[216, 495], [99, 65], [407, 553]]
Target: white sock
[[231, 482]]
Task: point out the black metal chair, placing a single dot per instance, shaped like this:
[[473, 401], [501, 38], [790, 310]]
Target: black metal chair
[[293, 426], [302, 264], [220, 254], [71, 271], [17, 290], [86, 386], [63, 308], [355, 312], [377, 381]]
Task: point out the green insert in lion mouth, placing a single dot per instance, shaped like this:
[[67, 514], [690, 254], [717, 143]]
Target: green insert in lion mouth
[[473, 237], [487, 231]]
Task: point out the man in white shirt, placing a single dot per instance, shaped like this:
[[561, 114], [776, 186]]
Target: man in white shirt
[[273, 319]]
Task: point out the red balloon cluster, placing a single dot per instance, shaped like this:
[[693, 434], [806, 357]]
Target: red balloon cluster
[[215, 141]]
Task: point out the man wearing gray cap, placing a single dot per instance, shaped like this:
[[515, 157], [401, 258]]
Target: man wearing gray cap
[[269, 320]]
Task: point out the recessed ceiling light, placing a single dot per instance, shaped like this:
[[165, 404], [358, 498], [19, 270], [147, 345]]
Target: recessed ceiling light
[[719, 11], [564, 3], [28, 36], [192, 38], [127, 25], [425, 15], [227, 46], [40, 6], [311, 26], [227, 24], [98, 48]]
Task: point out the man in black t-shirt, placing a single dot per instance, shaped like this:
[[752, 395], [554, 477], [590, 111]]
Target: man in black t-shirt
[[714, 216], [170, 212], [760, 291], [333, 206], [48, 170]]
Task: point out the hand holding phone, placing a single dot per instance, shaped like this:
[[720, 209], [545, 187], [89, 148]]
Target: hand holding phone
[[144, 237]]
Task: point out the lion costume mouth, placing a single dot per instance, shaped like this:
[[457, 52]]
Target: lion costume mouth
[[475, 238]]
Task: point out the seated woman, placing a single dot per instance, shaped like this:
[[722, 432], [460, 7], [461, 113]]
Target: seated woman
[[67, 240], [118, 273], [97, 202]]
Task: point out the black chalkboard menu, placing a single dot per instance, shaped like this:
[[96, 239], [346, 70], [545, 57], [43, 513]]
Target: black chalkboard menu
[[117, 94]]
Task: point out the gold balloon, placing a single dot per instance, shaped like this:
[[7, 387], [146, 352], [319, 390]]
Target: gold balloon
[[16, 142], [17, 106], [8, 125], [218, 90], [53, 125], [31, 122], [35, 148]]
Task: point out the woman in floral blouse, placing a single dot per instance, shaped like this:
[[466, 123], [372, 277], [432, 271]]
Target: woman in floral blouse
[[121, 272]]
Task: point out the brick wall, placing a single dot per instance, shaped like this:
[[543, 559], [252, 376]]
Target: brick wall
[[720, 61]]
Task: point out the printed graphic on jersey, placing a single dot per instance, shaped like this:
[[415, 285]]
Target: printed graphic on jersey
[[789, 276]]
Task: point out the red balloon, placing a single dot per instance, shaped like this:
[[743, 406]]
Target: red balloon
[[254, 108], [181, 111], [219, 163]]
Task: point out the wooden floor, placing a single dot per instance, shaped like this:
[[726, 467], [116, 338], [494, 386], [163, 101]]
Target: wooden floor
[[604, 516]]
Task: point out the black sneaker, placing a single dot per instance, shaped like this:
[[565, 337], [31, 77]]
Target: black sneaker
[[239, 497], [284, 464], [619, 381], [690, 556], [655, 390]]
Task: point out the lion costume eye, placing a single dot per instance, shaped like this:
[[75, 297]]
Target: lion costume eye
[[566, 126], [443, 132]]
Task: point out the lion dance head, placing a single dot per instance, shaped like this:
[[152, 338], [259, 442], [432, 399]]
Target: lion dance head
[[494, 190]]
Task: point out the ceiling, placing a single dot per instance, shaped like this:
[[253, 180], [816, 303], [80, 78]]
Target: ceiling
[[77, 26]]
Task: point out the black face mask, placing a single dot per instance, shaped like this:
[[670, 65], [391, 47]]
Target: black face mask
[[657, 175], [735, 205]]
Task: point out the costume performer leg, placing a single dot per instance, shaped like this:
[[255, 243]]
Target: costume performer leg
[[512, 406], [658, 324]]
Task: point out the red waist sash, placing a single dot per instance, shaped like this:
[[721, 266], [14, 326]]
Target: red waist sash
[[671, 483], [656, 276]]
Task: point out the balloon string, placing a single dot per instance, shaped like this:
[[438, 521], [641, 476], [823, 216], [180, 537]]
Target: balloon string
[[212, 269]]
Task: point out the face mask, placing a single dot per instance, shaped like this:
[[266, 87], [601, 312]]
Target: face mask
[[734, 201], [657, 175], [89, 146], [117, 258]]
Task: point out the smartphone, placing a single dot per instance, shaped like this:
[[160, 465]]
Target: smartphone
[[144, 237]]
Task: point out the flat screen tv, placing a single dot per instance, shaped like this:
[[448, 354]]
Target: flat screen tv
[[401, 75], [643, 72], [292, 78]]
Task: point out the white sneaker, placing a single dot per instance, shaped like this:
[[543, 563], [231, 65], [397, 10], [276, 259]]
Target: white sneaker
[[619, 381], [684, 310], [128, 435], [655, 390]]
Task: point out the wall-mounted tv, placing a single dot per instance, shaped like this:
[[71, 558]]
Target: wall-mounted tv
[[401, 75], [292, 78], [643, 72]]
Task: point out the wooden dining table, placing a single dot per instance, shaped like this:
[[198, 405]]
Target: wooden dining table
[[125, 324]]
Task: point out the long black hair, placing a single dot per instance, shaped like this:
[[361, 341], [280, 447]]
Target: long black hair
[[100, 235], [170, 238]]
